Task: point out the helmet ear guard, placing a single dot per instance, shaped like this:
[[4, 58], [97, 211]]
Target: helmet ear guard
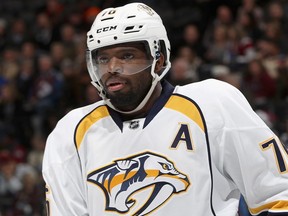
[[135, 22]]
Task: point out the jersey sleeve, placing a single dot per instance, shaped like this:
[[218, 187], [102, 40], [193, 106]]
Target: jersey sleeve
[[252, 156], [65, 190]]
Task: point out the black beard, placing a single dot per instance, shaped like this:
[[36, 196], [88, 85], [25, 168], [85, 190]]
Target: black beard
[[130, 100], [125, 102]]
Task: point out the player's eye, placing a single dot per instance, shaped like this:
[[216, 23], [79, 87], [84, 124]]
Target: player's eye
[[127, 56], [102, 60]]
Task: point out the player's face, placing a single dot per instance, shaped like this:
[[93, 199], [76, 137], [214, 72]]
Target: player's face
[[125, 74]]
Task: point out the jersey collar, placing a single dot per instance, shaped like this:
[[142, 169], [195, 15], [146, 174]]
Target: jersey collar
[[167, 90]]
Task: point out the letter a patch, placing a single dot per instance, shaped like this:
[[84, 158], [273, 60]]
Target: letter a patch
[[183, 136]]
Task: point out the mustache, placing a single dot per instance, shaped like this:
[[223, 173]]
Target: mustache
[[115, 80]]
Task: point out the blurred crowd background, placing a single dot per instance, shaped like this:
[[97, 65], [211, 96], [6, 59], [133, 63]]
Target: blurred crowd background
[[43, 71]]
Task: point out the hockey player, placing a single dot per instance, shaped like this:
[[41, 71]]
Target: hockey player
[[151, 149]]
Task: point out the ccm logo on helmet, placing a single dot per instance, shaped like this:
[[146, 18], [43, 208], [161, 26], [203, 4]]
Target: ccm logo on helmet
[[106, 29]]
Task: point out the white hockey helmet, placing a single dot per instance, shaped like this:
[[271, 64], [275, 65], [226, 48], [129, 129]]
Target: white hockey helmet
[[135, 22]]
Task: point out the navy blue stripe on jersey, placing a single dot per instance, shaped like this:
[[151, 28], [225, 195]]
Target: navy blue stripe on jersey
[[203, 122], [116, 118], [167, 90]]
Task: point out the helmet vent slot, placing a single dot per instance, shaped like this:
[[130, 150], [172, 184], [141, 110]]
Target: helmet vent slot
[[91, 38], [108, 18], [131, 16], [129, 28], [132, 29]]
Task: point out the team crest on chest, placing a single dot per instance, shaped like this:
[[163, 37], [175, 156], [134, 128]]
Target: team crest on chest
[[124, 178]]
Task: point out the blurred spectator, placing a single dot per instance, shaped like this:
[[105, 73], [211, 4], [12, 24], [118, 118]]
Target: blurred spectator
[[278, 19], [68, 39], [194, 61], [72, 87], [248, 25], [180, 72], [269, 52], [58, 55], [80, 49], [18, 32], [54, 10], [218, 51], [9, 67], [275, 12], [29, 198], [10, 184], [19, 192], [274, 31], [46, 92], [35, 155], [280, 105], [3, 34], [240, 48], [192, 38], [224, 73], [44, 32], [223, 18], [12, 115], [258, 85], [24, 82], [25, 79], [282, 80], [75, 17], [28, 51], [220, 72], [251, 7]]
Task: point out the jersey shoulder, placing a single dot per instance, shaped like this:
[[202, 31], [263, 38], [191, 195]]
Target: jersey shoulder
[[60, 144], [210, 89], [73, 117], [221, 104]]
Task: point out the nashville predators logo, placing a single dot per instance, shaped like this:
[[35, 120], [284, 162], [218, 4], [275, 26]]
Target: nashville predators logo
[[124, 178]]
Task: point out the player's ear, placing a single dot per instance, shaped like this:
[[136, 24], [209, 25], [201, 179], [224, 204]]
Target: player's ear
[[159, 63]]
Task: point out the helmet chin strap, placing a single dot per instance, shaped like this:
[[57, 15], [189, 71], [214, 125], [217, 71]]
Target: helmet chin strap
[[156, 79]]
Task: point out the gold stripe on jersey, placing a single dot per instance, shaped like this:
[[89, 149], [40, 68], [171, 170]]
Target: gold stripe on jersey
[[279, 205], [87, 122], [186, 107]]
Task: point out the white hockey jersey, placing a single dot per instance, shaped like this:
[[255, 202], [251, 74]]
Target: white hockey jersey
[[200, 146]]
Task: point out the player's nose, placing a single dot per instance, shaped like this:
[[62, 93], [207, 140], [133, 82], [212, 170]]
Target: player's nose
[[115, 65]]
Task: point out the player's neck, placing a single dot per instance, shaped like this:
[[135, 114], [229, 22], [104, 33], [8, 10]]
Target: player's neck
[[145, 110]]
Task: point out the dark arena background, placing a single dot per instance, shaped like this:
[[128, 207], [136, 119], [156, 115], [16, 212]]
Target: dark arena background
[[43, 72]]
